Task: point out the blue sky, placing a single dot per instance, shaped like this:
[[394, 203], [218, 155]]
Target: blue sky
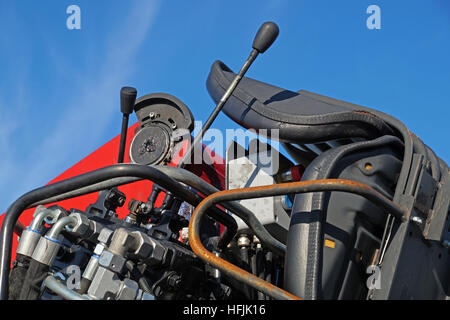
[[59, 88]]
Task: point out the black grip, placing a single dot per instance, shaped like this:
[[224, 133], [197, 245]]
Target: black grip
[[127, 99], [266, 35]]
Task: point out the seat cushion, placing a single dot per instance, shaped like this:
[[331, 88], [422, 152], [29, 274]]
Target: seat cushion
[[299, 117]]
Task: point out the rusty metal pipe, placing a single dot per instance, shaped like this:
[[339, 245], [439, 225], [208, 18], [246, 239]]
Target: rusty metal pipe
[[275, 190]]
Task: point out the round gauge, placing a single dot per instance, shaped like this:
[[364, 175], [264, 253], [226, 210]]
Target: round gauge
[[150, 145]]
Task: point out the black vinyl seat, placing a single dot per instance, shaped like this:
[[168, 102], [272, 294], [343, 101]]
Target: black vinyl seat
[[301, 117]]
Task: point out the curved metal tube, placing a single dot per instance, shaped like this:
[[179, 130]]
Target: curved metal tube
[[60, 225], [36, 223], [62, 290], [267, 191], [298, 257], [77, 182]]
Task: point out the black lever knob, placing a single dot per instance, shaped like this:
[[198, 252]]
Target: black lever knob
[[266, 35], [127, 99]]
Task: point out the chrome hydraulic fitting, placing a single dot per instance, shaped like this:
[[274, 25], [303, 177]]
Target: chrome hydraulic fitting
[[31, 235], [103, 238], [84, 228], [48, 246]]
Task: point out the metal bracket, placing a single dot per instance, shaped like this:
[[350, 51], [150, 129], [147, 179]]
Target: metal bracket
[[437, 225], [431, 201]]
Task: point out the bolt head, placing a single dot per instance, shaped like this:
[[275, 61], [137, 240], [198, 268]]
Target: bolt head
[[417, 220]]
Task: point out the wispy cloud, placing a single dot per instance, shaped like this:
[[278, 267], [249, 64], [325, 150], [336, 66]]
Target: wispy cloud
[[88, 111]]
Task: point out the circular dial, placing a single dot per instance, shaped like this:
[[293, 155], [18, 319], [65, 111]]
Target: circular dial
[[150, 145]]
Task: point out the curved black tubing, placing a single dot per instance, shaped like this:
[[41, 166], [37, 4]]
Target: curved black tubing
[[115, 171]]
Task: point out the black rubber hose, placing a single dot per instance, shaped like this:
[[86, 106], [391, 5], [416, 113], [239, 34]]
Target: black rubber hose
[[18, 228], [192, 180], [115, 171], [296, 260], [17, 276], [245, 262], [35, 275], [242, 212]]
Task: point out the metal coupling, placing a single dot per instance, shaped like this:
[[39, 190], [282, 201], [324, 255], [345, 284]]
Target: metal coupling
[[48, 246], [31, 235], [28, 242], [84, 227], [92, 266], [107, 285], [114, 262], [104, 237]]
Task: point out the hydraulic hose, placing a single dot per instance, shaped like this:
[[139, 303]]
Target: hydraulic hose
[[18, 228], [77, 182], [43, 256], [28, 241], [242, 212], [192, 180], [274, 190]]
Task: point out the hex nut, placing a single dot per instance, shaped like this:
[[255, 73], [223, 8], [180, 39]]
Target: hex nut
[[143, 245], [99, 249], [128, 290], [112, 262], [56, 213], [82, 227], [96, 228], [121, 241], [158, 253], [105, 235]]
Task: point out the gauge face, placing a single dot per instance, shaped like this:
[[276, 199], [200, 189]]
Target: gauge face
[[150, 145]]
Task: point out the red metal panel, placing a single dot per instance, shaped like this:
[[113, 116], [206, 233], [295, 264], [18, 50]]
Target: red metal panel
[[107, 155]]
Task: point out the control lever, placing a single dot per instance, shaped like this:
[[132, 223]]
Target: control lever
[[127, 101], [266, 35]]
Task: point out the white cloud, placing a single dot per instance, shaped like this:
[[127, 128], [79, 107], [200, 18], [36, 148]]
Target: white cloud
[[88, 110]]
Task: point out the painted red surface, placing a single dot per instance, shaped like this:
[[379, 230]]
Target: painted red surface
[[107, 155]]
